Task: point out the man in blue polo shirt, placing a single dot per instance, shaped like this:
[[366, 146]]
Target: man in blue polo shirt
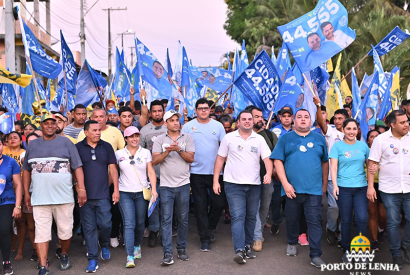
[[98, 159], [301, 162], [286, 117]]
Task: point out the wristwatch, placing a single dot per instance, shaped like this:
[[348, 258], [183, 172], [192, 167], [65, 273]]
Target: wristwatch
[[18, 207], [180, 151]]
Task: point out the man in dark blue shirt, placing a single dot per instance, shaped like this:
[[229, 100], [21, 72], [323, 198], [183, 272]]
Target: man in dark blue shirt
[[286, 117], [98, 159]]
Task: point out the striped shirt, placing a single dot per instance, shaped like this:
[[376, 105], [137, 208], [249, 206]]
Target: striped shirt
[[72, 131]]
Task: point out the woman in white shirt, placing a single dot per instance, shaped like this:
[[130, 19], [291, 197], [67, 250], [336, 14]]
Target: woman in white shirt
[[134, 162]]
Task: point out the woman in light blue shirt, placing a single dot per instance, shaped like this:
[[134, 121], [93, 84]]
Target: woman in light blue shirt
[[347, 160]]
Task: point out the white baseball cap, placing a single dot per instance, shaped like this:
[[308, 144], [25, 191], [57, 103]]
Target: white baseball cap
[[170, 114]]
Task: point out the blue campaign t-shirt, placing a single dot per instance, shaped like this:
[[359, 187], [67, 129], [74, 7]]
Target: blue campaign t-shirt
[[351, 160], [302, 158], [8, 168], [280, 131], [206, 138]]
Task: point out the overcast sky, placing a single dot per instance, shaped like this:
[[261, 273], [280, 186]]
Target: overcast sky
[[159, 24]]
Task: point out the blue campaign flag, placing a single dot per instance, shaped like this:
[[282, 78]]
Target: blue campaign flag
[[6, 123], [90, 85], [8, 96], [308, 103], [42, 63], [260, 83], [290, 94], [244, 56], [152, 71], [69, 68], [213, 77], [321, 79], [318, 35], [298, 74], [29, 96], [283, 61], [177, 75], [355, 94], [168, 65], [368, 108], [48, 94], [239, 100], [382, 78], [188, 85], [58, 99], [121, 85], [366, 81], [391, 41], [229, 62], [42, 93]]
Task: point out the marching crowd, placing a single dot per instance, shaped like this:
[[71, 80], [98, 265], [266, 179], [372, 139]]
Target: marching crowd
[[100, 172]]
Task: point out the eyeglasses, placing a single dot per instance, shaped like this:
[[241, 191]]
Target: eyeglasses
[[93, 157], [203, 109], [132, 162]]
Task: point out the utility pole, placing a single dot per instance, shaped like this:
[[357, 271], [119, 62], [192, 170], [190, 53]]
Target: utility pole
[[82, 33], [132, 57], [109, 37]]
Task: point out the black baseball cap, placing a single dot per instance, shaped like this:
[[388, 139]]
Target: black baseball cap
[[219, 109], [285, 110]]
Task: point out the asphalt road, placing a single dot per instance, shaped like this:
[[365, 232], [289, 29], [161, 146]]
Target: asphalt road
[[272, 260]]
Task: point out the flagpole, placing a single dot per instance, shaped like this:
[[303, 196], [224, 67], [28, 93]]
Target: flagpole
[[361, 60], [143, 97], [66, 92], [35, 86], [270, 118], [221, 95], [307, 82], [184, 91]]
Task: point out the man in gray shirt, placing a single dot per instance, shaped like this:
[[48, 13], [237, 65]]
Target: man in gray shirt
[[80, 116], [174, 151]]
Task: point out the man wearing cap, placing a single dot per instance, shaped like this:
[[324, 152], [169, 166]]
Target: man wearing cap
[[174, 151], [149, 133], [49, 164], [286, 117], [219, 111], [98, 158], [109, 103], [80, 115], [113, 116]]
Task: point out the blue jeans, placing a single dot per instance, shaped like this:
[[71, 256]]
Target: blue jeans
[[95, 217], [349, 199], [276, 203], [133, 209], [243, 200], [312, 206], [332, 210], [179, 196], [265, 200], [153, 220], [393, 204]]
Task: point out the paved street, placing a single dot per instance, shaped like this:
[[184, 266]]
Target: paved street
[[272, 260]]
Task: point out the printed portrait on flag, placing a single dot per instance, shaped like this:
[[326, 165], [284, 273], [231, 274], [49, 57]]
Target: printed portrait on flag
[[215, 78]]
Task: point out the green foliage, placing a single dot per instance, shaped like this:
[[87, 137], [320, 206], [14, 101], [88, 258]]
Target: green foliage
[[256, 21]]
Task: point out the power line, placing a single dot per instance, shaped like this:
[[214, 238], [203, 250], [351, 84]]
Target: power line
[[98, 55], [96, 41], [60, 18]]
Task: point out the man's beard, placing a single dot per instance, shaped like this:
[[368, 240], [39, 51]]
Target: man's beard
[[258, 125], [58, 131], [159, 120]]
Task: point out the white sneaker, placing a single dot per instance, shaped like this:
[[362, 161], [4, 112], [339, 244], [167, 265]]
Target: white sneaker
[[114, 242]]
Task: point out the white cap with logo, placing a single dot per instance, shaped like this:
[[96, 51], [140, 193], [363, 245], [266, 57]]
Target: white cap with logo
[[170, 114]]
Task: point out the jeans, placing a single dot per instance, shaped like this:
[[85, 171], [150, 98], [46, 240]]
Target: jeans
[[349, 199], [96, 217], [332, 210], [264, 204], [276, 204], [312, 205], [179, 196], [153, 220], [116, 216], [200, 185], [133, 208], [243, 200], [393, 204]]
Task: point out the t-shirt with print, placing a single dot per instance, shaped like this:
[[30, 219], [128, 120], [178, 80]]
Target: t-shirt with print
[[111, 135], [50, 163], [332, 136], [351, 159], [8, 168], [206, 138], [148, 135], [129, 181], [14, 155], [174, 169]]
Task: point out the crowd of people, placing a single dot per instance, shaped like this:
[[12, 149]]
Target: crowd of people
[[98, 172]]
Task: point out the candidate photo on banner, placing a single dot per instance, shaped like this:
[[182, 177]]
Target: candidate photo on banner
[[318, 35], [215, 78]]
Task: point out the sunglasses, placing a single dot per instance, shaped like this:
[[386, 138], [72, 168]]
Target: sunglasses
[[93, 157], [132, 162]]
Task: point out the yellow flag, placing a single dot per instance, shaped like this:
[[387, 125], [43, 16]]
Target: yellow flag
[[329, 65], [395, 91], [332, 102], [20, 79], [113, 98], [345, 90]]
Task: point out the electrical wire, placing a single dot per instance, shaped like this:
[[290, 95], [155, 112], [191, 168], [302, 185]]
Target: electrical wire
[[59, 18], [98, 55], [96, 41]]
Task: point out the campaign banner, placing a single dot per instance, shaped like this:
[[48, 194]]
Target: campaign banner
[[68, 64], [6, 123], [290, 94], [391, 41], [355, 94], [213, 77], [368, 108], [8, 96], [122, 78], [321, 79], [318, 35], [89, 85], [383, 84], [188, 85], [283, 60], [260, 83]]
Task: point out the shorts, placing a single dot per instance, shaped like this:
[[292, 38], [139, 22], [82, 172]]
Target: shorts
[[379, 197], [43, 217]]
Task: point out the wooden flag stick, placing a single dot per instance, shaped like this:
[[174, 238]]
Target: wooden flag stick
[[270, 118], [221, 95], [184, 91], [35, 86], [143, 97], [310, 87], [66, 92], [361, 60]]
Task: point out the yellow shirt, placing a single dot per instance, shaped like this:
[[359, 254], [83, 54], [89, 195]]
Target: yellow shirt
[[74, 141], [14, 155], [111, 135]]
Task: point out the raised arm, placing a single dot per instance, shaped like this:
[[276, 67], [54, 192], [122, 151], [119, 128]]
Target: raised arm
[[319, 118]]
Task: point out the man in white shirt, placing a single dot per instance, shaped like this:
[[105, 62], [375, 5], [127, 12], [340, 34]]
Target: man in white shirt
[[242, 150], [391, 151], [339, 37]]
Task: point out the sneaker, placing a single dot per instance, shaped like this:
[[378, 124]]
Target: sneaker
[[375, 245], [182, 256], [330, 236], [130, 262], [317, 262], [152, 239], [47, 264], [240, 257], [303, 240], [105, 253], [43, 271], [339, 244], [92, 266], [380, 236], [58, 253], [64, 262], [205, 247], [34, 257], [345, 259], [211, 234], [406, 251], [257, 246], [114, 242], [227, 218], [168, 260], [292, 250], [249, 253], [398, 261], [274, 229], [7, 268], [137, 252]]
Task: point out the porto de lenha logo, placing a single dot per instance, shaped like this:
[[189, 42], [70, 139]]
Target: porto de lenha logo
[[360, 258]]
